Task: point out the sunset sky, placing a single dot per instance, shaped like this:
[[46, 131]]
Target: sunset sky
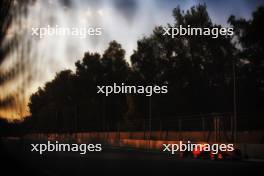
[[125, 21]]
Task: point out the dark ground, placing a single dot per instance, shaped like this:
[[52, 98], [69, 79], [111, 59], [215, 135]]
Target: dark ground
[[16, 158]]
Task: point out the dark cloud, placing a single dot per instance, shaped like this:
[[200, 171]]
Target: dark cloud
[[127, 8], [67, 3], [8, 101]]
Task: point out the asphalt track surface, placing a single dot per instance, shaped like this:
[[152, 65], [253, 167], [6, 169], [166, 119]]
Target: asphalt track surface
[[16, 159]]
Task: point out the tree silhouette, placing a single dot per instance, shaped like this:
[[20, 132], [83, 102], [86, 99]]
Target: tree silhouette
[[250, 40], [71, 101], [197, 69]]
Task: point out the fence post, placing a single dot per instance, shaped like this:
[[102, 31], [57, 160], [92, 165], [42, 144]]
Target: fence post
[[160, 129], [203, 128], [180, 127]]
